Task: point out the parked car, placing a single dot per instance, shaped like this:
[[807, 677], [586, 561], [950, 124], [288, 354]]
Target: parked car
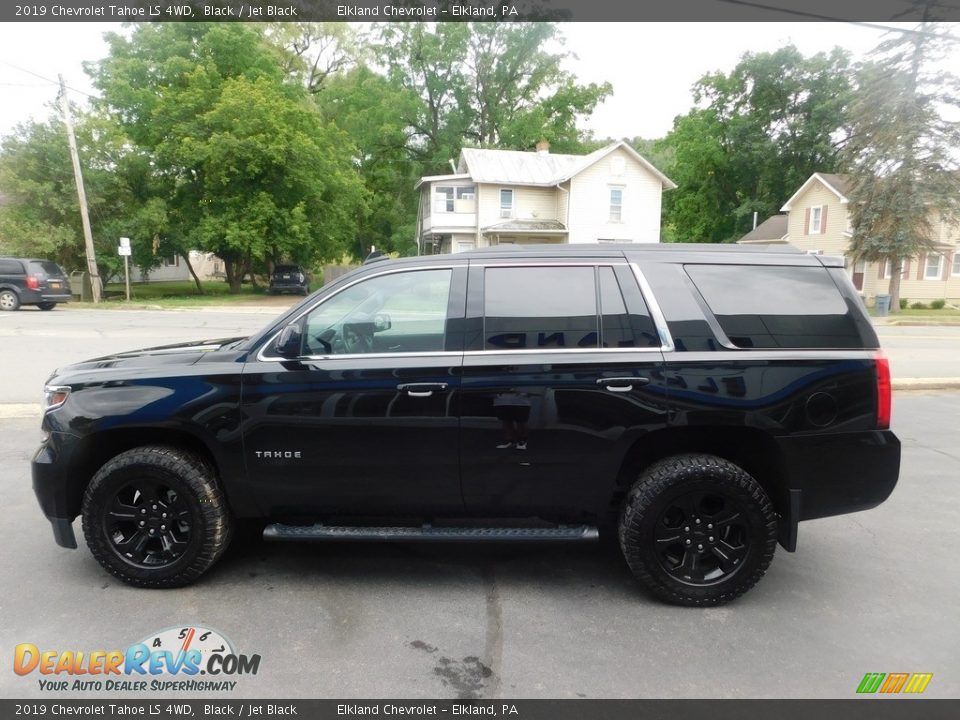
[[289, 278], [28, 281], [694, 403]]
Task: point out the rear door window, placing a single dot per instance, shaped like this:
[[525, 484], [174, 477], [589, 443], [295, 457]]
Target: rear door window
[[768, 306], [10, 267], [538, 308], [621, 327]]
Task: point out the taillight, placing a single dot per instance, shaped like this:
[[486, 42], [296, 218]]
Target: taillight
[[884, 391], [32, 282]]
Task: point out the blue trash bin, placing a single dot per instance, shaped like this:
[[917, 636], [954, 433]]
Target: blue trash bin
[[883, 305]]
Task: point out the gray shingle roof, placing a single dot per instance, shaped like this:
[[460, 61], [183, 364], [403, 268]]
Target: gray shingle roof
[[773, 228]]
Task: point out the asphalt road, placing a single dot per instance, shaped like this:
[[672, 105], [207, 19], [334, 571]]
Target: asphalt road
[[43, 341], [870, 592]]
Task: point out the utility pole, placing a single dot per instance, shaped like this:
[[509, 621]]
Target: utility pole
[[95, 285]]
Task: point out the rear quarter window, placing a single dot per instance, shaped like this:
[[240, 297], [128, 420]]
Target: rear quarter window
[[46, 267], [769, 306], [10, 267]]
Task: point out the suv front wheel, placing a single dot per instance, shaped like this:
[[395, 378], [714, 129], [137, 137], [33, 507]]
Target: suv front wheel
[[155, 516], [697, 530]]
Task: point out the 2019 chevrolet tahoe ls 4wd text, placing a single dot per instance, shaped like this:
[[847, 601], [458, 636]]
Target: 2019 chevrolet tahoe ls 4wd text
[[693, 402]]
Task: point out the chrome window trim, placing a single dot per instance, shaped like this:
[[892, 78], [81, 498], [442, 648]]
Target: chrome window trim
[[659, 321], [564, 351], [391, 271]]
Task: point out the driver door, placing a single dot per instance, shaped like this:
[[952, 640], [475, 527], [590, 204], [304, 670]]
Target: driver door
[[364, 422]]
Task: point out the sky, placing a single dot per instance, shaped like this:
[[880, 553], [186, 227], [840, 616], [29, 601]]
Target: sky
[[651, 66]]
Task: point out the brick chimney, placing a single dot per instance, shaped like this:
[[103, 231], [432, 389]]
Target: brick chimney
[[543, 148]]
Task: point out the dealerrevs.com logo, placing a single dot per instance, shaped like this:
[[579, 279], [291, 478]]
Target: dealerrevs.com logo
[[170, 660]]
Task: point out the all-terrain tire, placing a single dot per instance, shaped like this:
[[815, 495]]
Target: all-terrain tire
[[659, 488], [190, 482]]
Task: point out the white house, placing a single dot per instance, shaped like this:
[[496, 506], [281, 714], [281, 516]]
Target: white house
[[508, 196]]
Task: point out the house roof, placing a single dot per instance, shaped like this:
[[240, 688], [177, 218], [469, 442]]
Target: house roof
[[526, 226], [515, 167], [774, 228], [839, 185], [433, 178]]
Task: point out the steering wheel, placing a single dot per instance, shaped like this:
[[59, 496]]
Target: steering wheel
[[355, 341]]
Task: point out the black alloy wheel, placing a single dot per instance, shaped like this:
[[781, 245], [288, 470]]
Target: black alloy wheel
[[148, 523], [702, 537], [156, 516], [696, 529]]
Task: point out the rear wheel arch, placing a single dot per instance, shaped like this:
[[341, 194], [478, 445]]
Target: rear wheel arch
[[753, 450]]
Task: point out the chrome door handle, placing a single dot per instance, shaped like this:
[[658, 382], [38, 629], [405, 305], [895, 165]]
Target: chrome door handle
[[421, 390], [622, 384]]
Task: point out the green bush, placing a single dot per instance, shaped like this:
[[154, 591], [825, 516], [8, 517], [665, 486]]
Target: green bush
[[918, 306], [903, 303], [938, 304]]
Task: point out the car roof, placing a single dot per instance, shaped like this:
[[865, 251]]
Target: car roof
[[659, 252]]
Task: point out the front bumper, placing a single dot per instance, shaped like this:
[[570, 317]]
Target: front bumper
[[51, 488]]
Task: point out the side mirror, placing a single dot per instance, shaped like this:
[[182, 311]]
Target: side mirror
[[381, 322], [290, 342]]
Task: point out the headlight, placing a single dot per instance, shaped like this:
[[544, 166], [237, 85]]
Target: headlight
[[301, 276], [54, 396]]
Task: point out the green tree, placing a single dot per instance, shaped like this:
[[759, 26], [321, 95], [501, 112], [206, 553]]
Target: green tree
[[902, 149], [491, 84], [755, 135], [242, 161], [368, 108]]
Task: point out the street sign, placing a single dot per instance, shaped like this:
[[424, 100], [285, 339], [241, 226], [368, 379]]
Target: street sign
[[125, 243], [124, 251]]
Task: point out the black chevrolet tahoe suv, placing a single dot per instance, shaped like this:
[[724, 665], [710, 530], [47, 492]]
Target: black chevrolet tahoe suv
[[693, 403]]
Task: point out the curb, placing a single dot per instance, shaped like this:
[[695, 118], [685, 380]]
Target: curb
[[943, 383]]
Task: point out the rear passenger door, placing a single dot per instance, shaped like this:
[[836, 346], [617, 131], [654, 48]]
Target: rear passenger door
[[558, 382]]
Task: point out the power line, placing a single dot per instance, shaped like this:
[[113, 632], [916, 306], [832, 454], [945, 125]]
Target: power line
[[819, 16], [46, 79]]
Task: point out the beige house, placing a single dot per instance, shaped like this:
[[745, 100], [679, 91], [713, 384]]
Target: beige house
[[818, 221], [505, 196]]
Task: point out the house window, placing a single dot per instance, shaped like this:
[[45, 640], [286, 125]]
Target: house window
[[465, 193], [171, 261], [443, 201], [887, 269], [816, 216], [933, 267], [955, 268], [506, 203], [616, 205]]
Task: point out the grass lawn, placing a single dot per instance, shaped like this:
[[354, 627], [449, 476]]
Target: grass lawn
[[179, 294], [926, 314]]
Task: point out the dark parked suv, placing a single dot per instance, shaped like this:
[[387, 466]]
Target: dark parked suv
[[32, 282], [289, 278], [693, 402]]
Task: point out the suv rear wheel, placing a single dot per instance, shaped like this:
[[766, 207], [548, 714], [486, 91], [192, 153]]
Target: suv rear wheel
[[9, 300], [46, 305], [697, 530], [155, 516]]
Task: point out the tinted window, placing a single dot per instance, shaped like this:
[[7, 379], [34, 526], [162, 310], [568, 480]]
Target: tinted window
[[45, 266], [618, 327], [539, 308], [761, 306], [286, 269], [399, 312], [10, 267]]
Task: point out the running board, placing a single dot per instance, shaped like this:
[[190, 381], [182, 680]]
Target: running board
[[428, 532]]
